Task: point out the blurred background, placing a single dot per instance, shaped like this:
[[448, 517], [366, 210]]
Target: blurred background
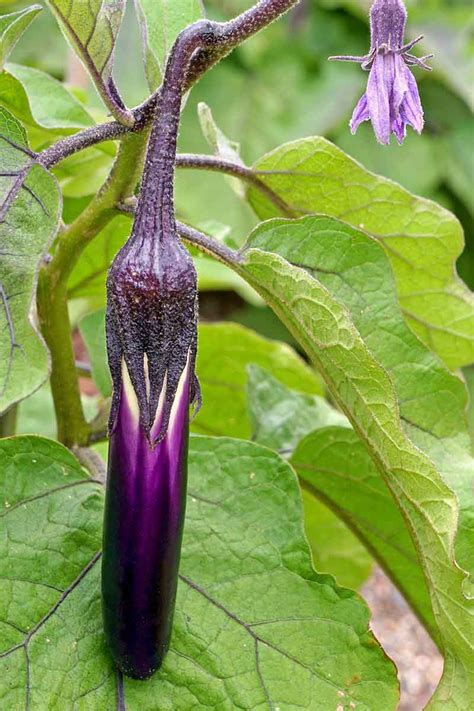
[[279, 87]]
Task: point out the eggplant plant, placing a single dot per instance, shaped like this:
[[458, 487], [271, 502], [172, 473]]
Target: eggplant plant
[[309, 461]]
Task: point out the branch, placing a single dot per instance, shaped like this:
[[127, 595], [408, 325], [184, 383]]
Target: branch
[[205, 162], [228, 36], [206, 244]]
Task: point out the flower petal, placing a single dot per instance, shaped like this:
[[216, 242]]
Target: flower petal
[[360, 113], [411, 110], [399, 87], [379, 90], [399, 128]]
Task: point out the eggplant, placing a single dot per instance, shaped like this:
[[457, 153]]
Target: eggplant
[[144, 516]]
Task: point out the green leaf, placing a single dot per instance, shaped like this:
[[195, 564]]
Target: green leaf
[[329, 461], [335, 549], [12, 27], [160, 22], [89, 274], [92, 329], [11, 128], [422, 239], [221, 146], [332, 461], [364, 390], [245, 569], [354, 268], [50, 529], [29, 216], [225, 350], [280, 417], [40, 101], [92, 29]]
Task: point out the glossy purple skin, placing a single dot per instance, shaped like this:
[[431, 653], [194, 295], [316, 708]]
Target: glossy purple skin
[[143, 524]]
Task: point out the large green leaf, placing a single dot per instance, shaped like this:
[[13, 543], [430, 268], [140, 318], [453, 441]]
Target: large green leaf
[[255, 626], [12, 27], [29, 215], [40, 101], [92, 29], [161, 21], [225, 350], [330, 459], [422, 239], [354, 268], [364, 390], [280, 418]]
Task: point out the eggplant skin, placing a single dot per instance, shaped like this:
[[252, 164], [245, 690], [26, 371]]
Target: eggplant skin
[[143, 526]]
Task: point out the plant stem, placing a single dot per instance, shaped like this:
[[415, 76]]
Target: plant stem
[[52, 288], [205, 162], [206, 244], [197, 48], [72, 427], [230, 34]]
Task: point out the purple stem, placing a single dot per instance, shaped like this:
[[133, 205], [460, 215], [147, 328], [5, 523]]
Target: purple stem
[[230, 34]]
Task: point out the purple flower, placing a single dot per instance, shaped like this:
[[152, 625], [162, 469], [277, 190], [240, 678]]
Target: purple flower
[[391, 100]]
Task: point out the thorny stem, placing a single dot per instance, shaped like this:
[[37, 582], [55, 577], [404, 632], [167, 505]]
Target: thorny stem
[[197, 48]]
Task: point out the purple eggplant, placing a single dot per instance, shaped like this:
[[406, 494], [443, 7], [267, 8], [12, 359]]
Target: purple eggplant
[[151, 340], [151, 327], [144, 517]]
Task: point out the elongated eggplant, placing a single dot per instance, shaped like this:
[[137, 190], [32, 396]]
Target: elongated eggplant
[[144, 518], [151, 329], [151, 338]]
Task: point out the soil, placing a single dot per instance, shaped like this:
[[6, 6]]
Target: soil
[[404, 640]]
